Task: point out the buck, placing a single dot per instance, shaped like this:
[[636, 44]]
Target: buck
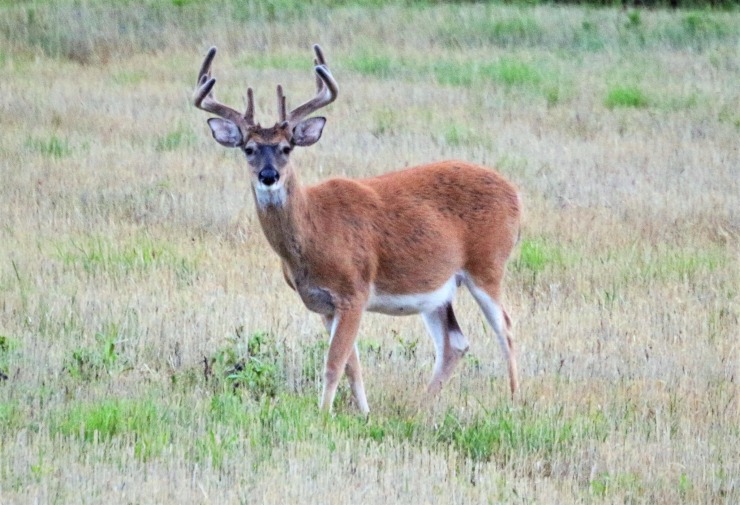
[[400, 243]]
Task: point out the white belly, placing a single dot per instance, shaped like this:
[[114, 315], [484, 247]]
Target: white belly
[[400, 305]]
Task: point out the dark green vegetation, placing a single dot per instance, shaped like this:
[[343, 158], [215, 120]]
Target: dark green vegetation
[[75, 30]]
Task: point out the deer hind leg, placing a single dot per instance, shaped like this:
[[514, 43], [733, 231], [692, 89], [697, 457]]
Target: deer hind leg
[[487, 295], [449, 342], [351, 367]]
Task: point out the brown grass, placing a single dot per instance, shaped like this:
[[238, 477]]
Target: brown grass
[[121, 221]]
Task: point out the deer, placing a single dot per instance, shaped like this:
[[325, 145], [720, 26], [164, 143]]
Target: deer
[[400, 243]]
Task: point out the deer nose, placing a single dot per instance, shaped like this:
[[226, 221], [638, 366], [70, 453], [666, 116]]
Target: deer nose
[[268, 176]]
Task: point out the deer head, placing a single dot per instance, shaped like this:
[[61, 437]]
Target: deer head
[[267, 149]]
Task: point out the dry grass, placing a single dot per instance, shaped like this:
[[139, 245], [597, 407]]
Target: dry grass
[[129, 252]]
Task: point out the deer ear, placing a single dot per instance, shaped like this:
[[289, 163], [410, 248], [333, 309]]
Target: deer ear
[[225, 132], [308, 132]]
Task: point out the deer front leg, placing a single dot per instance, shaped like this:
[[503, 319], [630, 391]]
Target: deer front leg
[[343, 355], [353, 370]]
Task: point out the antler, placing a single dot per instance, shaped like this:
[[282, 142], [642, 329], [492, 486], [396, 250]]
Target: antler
[[326, 92], [203, 97]]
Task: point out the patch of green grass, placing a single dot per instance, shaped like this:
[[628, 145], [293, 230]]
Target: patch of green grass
[[606, 484], [372, 63], [101, 255], [506, 71], [511, 72], [634, 20], [501, 434], [679, 264], [696, 30], [626, 96], [451, 73], [504, 433], [236, 422], [53, 147], [129, 77], [729, 115], [456, 135], [175, 139], [291, 61], [140, 422], [554, 94], [535, 255], [515, 30], [680, 102], [701, 24], [11, 417]]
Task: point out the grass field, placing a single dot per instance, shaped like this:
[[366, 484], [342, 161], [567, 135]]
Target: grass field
[[150, 351]]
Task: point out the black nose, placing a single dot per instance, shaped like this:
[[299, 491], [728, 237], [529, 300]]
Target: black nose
[[268, 176]]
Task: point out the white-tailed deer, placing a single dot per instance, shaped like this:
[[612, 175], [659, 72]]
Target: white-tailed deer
[[399, 244]]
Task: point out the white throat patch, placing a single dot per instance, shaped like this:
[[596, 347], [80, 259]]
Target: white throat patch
[[270, 196]]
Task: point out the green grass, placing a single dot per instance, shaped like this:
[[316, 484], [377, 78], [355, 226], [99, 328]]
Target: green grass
[[101, 255], [174, 140], [506, 71], [606, 484], [626, 96], [283, 61], [371, 63], [231, 422], [457, 135], [536, 255], [53, 147], [510, 72], [451, 73], [141, 424], [129, 77], [517, 29], [10, 417], [679, 264]]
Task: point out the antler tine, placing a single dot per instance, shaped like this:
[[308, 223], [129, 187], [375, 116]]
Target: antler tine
[[319, 82], [249, 114], [326, 89], [281, 104], [203, 97], [205, 67], [319, 55], [319, 60]]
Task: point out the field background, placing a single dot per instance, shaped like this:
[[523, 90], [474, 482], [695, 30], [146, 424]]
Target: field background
[[150, 351]]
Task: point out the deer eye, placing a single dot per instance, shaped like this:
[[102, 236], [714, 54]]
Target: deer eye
[[249, 151], [286, 150]]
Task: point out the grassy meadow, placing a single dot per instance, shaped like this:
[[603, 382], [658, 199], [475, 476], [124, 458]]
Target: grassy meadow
[[150, 351]]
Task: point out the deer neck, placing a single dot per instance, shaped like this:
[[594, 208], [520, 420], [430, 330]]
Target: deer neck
[[284, 218]]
